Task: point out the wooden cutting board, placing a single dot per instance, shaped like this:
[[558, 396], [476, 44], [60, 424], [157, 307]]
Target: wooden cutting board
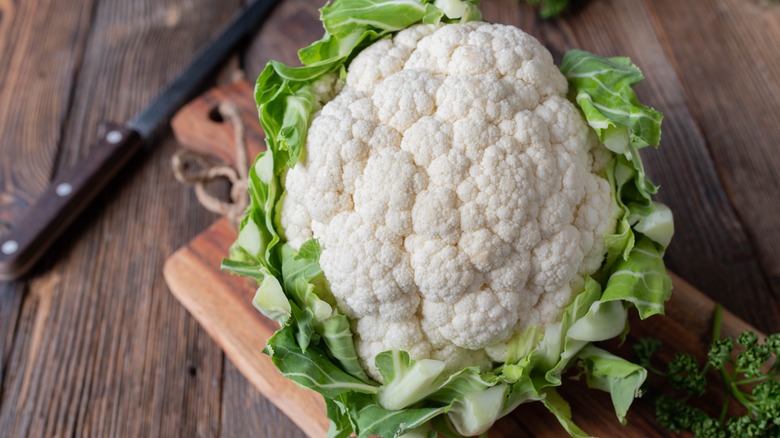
[[222, 305]]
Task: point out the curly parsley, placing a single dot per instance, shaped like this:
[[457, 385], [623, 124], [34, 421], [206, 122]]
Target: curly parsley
[[750, 374]]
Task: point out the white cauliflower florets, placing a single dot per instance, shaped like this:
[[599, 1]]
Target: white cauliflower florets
[[454, 191]]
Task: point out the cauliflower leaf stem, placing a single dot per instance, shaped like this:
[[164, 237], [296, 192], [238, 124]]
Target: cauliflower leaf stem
[[406, 381], [315, 345]]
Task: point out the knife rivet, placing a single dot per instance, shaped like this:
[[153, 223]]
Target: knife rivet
[[114, 137], [64, 190], [9, 247]]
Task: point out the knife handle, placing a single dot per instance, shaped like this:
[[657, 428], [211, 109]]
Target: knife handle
[[64, 200]]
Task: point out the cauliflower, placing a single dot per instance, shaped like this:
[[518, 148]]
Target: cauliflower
[[454, 191], [444, 221]]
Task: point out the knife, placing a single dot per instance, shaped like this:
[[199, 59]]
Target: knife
[[70, 193]]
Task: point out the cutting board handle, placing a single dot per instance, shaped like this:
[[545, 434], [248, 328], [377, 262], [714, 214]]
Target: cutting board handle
[[199, 127]]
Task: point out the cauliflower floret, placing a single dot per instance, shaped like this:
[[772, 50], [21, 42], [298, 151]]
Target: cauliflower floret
[[458, 196]]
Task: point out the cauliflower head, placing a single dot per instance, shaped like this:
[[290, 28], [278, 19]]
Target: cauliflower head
[[456, 193]]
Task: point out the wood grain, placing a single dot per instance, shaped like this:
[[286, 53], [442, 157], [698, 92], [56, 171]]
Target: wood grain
[[10, 305], [292, 25], [100, 348], [222, 304], [41, 49], [733, 97], [94, 344], [245, 410]]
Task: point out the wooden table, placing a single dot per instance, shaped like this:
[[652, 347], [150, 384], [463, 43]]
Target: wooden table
[[93, 344]]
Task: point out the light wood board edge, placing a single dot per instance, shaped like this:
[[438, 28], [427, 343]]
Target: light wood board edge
[[241, 342]]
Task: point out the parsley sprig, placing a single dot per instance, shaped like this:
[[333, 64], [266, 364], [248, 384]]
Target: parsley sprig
[[750, 374], [550, 8]]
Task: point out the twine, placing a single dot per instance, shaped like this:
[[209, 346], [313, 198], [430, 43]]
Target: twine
[[183, 162]]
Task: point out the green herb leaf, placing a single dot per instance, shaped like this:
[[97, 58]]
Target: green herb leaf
[[752, 379], [550, 8]]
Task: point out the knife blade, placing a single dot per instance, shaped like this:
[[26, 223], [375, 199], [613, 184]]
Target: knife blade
[[72, 191]]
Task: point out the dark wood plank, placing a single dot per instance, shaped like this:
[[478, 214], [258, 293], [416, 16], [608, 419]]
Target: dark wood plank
[[728, 63], [10, 308], [98, 347], [292, 25], [246, 412], [41, 49], [101, 348]]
